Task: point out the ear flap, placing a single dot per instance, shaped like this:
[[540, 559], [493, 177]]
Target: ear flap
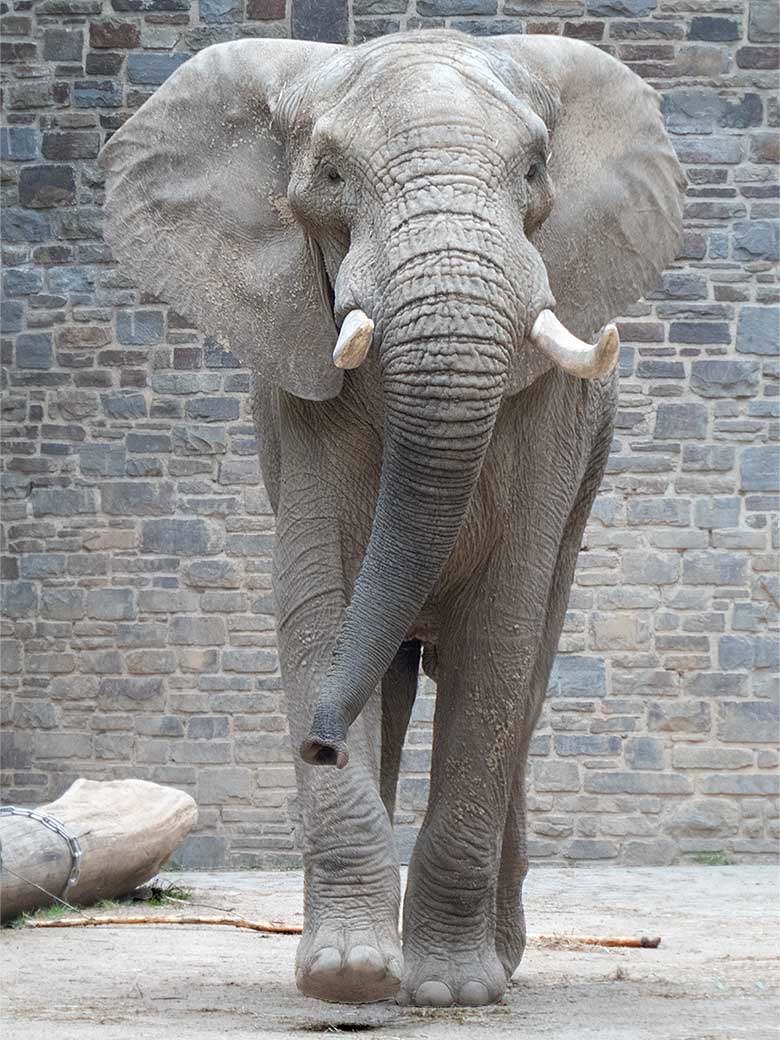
[[616, 220], [197, 211]]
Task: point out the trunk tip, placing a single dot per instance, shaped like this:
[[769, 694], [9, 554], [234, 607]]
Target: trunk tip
[[318, 751]]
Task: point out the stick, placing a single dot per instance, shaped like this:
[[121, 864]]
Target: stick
[[297, 929], [642, 943]]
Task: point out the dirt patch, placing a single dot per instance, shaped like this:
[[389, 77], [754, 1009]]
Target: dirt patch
[[714, 977]]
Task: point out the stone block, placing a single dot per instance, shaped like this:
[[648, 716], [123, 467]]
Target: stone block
[[201, 852], [111, 604], [182, 537], [715, 30], [124, 406], [756, 240], [702, 816], [758, 58], [714, 568], [70, 144], [114, 34], [735, 652], [216, 786], [677, 421], [672, 511], [42, 565], [716, 378], [432, 8], [208, 727], [703, 756], [34, 350], [638, 783], [712, 513], [584, 745], [644, 568], [63, 501], [763, 21], [150, 69], [139, 498], [216, 574], [577, 676], [620, 8], [96, 93], [249, 661], [207, 752], [739, 784], [760, 469], [63, 745], [62, 45], [47, 186], [102, 460], [130, 693], [266, 10], [167, 601], [151, 662], [213, 409], [644, 753], [590, 848], [18, 599], [198, 439], [749, 722], [758, 330], [139, 328], [21, 281], [197, 631], [556, 776], [18, 144]]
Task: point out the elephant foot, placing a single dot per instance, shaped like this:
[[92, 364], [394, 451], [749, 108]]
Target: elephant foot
[[463, 978], [349, 967]]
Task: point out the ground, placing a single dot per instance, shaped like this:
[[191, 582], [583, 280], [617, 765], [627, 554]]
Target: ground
[[714, 977]]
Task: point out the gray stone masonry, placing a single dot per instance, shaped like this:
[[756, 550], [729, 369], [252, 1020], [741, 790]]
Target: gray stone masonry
[[138, 636]]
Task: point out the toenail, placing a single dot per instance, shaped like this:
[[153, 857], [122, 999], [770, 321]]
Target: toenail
[[366, 960], [327, 960], [474, 994], [433, 994]]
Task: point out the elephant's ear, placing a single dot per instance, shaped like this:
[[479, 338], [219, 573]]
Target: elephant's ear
[[196, 210], [616, 219]]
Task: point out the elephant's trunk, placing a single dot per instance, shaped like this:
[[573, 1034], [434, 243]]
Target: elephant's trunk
[[444, 356]]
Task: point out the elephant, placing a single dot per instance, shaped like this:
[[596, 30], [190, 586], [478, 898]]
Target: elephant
[[417, 245]]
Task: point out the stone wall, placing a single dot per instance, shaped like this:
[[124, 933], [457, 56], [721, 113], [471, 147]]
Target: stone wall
[[138, 634]]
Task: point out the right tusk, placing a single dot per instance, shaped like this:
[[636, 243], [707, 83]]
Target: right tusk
[[584, 360], [354, 342]]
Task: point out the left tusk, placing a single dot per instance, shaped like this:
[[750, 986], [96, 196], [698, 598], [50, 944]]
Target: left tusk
[[584, 360], [354, 342]]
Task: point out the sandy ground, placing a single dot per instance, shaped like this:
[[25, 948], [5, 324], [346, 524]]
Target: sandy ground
[[715, 976]]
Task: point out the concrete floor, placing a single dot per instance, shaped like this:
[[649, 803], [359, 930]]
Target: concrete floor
[[714, 977]]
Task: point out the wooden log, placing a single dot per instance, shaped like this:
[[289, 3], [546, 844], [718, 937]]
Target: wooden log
[[126, 830]]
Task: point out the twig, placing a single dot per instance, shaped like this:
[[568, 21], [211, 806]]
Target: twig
[[255, 926], [296, 929], [642, 943]]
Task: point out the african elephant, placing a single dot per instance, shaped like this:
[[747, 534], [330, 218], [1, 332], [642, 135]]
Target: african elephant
[[412, 243]]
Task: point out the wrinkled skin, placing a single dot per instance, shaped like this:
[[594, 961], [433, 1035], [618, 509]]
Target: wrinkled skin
[[431, 506]]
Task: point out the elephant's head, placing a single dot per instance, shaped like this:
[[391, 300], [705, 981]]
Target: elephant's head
[[427, 196]]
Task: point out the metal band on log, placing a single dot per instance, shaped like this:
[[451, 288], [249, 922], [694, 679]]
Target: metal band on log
[[125, 829]]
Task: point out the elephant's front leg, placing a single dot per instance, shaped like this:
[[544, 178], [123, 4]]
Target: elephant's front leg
[[350, 949], [450, 907]]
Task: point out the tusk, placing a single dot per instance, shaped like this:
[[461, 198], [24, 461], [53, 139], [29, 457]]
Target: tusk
[[354, 342], [584, 360]]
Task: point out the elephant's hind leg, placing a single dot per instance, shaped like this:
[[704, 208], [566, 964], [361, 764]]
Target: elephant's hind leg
[[399, 689]]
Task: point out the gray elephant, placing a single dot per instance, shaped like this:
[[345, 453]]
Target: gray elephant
[[412, 243]]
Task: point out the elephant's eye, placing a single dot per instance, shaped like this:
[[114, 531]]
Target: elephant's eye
[[331, 173], [535, 171]]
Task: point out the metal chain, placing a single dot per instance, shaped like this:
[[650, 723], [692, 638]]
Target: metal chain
[[59, 828]]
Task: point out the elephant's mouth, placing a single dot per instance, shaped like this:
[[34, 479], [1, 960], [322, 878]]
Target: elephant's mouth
[[548, 334]]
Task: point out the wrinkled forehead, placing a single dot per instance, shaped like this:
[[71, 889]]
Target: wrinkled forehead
[[377, 92]]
